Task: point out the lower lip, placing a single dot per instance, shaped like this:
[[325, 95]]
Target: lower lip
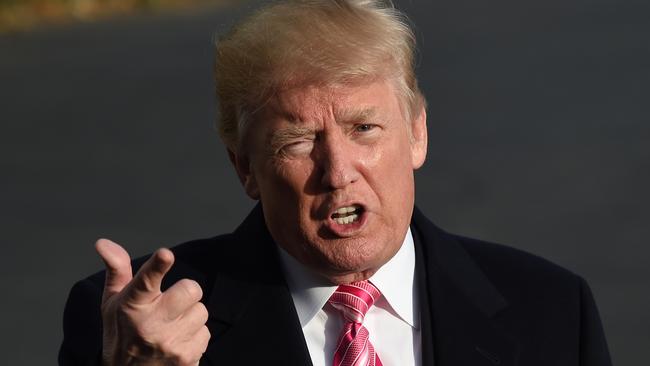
[[347, 230]]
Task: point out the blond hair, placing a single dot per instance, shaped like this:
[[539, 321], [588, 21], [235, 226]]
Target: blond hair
[[307, 42]]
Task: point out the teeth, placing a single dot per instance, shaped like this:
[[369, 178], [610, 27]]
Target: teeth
[[347, 219], [344, 210]]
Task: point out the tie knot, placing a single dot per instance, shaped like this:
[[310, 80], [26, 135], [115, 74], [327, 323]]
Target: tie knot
[[354, 300]]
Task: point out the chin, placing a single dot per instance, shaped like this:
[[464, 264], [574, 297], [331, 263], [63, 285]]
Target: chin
[[352, 258]]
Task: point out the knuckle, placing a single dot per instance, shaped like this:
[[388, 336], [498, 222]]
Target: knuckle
[[191, 287], [204, 340], [202, 312], [206, 334]]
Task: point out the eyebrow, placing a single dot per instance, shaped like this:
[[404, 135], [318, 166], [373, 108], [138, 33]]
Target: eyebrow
[[355, 115]]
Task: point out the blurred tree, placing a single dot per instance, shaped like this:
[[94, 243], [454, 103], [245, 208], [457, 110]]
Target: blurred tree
[[25, 14]]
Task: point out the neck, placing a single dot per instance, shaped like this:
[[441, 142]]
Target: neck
[[342, 279]]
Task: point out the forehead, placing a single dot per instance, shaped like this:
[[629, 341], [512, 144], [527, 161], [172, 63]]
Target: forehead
[[315, 103]]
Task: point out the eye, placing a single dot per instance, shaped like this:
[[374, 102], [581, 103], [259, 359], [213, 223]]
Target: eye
[[297, 148], [364, 127]]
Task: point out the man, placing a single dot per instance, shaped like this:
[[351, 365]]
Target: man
[[325, 124]]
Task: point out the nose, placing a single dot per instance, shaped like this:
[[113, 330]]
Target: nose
[[339, 163]]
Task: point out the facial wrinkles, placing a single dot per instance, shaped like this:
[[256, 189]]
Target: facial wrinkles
[[329, 136], [298, 203], [289, 135], [321, 114], [292, 119]]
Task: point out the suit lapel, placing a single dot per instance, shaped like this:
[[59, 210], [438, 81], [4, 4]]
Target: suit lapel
[[462, 304], [252, 315]]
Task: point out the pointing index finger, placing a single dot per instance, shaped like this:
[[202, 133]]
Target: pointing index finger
[[145, 286]]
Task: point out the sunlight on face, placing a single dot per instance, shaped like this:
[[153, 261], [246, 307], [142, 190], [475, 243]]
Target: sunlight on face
[[333, 168]]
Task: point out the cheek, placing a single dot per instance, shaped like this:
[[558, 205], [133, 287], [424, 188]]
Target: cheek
[[390, 162], [284, 198], [391, 177], [285, 180]]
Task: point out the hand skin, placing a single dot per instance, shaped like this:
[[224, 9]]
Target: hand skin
[[142, 325]]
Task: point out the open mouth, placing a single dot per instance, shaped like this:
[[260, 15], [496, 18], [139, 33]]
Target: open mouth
[[347, 215]]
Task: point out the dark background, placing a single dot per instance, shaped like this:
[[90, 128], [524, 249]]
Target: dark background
[[538, 127]]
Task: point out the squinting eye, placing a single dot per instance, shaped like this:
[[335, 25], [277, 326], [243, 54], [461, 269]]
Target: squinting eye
[[365, 127], [298, 148]]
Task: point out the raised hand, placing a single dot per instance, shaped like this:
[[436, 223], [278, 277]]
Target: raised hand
[[142, 325]]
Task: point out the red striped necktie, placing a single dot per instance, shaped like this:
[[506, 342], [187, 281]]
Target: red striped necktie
[[354, 347]]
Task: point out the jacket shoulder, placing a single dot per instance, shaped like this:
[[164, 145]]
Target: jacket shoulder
[[499, 260], [557, 298], [528, 281], [506, 267]]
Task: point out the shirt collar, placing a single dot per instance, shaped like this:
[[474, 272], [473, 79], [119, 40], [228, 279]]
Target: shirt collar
[[310, 291]]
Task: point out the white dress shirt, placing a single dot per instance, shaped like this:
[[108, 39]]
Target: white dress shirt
[[393, 321]]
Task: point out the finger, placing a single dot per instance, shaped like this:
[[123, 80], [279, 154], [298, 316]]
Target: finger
[[118, 266], [198, 344], [201, 339], [180, 297], [194, 318], [192, 347], [145, 286]]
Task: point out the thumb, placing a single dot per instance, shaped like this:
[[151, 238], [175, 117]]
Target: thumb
[[118, 266]]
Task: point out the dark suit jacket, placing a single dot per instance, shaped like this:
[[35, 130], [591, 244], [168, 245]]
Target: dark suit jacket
[[484, 304]]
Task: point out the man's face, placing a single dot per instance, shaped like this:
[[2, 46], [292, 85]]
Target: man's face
[[333, 168]]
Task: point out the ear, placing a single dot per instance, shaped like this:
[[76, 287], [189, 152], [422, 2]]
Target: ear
[[242, 165], [419, 139]]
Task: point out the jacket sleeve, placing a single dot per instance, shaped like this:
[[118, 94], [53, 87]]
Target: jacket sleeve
[[82, 326], [593, 345]]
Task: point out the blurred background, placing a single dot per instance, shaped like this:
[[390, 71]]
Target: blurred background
[[539, 128]]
